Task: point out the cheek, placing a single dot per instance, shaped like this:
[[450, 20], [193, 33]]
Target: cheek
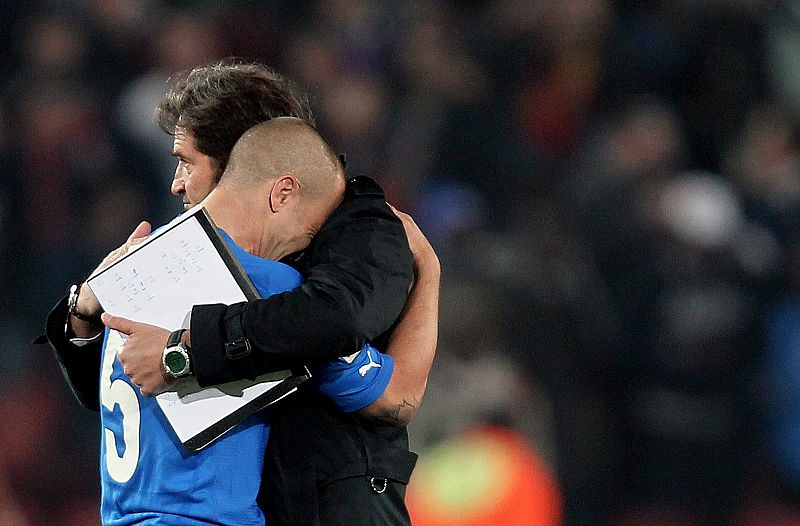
[[206, 184], [199, 185]]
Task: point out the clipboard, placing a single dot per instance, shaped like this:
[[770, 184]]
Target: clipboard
[[187, 262]]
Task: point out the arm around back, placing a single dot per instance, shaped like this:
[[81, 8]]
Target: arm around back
[[359, 269], [413, 342]]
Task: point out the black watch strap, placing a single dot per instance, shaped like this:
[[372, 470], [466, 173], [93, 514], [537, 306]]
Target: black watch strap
[[175, 338]]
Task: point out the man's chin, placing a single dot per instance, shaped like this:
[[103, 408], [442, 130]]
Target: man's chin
[[187, 206]]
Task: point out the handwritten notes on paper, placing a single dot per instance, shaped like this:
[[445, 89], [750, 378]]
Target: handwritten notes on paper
[[160, 281]]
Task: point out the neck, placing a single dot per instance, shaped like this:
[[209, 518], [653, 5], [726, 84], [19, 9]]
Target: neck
[[237, 214]]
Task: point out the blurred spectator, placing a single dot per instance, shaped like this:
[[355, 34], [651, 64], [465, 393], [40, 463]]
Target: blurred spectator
[[488, 475], [184, 40], [477, 375], [764, 162], [43, 452]]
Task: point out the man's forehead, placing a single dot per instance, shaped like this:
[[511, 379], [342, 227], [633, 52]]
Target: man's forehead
[[181, 134], [182, 140]]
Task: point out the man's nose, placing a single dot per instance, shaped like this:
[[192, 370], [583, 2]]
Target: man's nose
[[178, 185]]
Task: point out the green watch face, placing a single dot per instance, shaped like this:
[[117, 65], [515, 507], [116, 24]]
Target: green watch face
[[175, 362]]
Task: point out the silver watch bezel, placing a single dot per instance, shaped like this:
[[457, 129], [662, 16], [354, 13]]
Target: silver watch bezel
[[179, 348]]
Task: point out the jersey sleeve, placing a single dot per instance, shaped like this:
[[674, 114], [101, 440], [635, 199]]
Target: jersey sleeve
[[353, 382]]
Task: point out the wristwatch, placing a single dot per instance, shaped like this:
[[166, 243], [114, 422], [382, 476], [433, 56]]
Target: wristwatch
[[72, 305], [175, 358]]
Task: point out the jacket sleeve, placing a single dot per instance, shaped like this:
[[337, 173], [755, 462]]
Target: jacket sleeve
[[359, 270], [80, 365]]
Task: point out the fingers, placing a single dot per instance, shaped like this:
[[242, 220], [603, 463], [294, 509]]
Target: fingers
[[402, 215], [408, 222], [139, 234], [421, 249], [141, 231], [118, 323], [409, 225]]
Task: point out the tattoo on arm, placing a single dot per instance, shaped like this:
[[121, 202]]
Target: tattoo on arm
[[392, 415]]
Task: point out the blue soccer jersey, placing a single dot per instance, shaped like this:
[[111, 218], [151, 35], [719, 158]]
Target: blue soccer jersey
[[148, 477]]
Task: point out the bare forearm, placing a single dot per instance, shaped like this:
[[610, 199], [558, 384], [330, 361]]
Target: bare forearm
[[412, 346]]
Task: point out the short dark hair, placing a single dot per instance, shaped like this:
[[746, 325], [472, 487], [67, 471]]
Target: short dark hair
[[217, 102]]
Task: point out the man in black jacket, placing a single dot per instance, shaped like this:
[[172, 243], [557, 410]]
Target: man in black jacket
[[359, 270]]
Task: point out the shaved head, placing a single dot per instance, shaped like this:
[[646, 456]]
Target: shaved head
[[282, 182], [281, 146]]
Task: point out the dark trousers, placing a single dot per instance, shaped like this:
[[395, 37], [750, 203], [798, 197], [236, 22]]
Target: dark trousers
[[354, 502], [326, 468]]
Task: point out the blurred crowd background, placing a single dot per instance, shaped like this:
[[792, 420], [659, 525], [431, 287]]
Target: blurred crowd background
[[613, 188]]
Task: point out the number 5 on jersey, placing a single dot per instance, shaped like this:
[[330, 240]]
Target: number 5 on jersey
[[119, 392]]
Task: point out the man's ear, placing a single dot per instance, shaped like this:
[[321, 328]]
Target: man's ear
[[282, 191]]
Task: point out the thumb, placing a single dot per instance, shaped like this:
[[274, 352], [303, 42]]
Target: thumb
[[142, 230], [118, 323]]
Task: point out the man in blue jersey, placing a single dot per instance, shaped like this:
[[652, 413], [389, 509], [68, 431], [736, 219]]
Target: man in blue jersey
[[281, 183]]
